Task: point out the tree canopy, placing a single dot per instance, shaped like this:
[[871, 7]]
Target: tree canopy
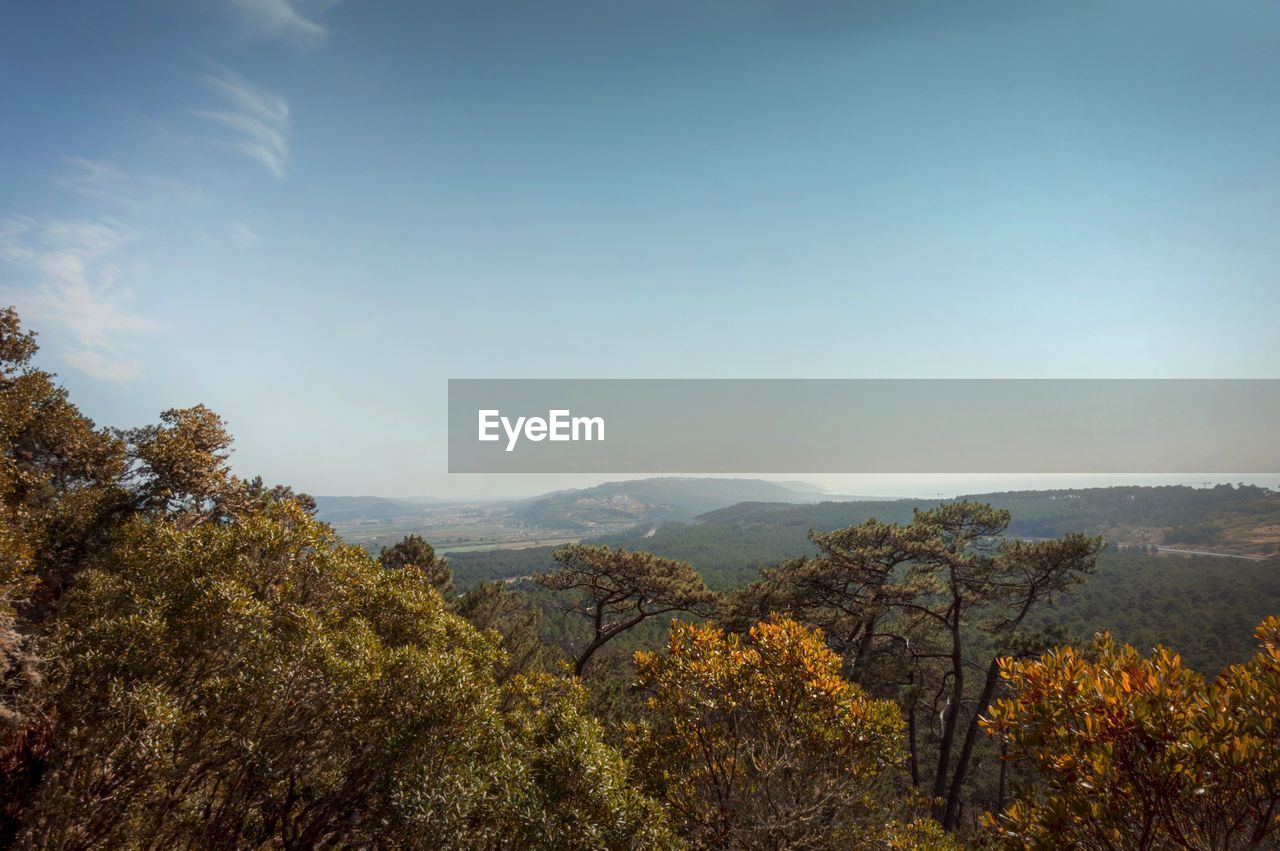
[[1138, 751], [614, 590], [235, 685], [414, 551], [758, 742], [914, 607]]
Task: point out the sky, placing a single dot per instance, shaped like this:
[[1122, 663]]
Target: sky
[[310, 214]]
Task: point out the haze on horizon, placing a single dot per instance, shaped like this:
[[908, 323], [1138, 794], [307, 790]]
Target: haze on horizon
[[309, 215], [901, 486]]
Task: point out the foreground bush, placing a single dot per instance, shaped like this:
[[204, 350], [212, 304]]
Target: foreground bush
[[260, 683], [760, 743], [1139, 752]]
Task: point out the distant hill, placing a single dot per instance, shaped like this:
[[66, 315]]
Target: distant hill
[[729, 544], [646, 501], [1041, 513], [558, 516], [347, 509], [802, 487], [608, 507]]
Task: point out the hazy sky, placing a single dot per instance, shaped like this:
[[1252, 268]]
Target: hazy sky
[[309, 215]]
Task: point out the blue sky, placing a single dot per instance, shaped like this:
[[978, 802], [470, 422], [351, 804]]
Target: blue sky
[[310, 214]]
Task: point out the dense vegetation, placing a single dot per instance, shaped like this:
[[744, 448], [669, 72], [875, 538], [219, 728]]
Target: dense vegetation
[[1141, 752], [472, 568], [731, 544], [1203, 607], [189, 659], [1035, 513]]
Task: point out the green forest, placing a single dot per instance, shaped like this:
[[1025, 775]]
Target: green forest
[[191, 660], [1203, 607]]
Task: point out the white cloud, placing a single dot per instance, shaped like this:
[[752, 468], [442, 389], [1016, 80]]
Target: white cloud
[[96, 179], [241, 236], [257, 119], [65, 279], [104, 367], [105, 181], [283, 19]]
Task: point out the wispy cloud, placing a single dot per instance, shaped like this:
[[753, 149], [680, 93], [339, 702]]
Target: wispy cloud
[[285, 19], [60, 274], [242, 236], [257, 119], [103, 180]]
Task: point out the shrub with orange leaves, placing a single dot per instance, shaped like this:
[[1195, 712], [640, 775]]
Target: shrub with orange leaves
[[760, 743], [1140, 752]]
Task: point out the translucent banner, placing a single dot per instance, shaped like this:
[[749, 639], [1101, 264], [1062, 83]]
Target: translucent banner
[[863, 426]]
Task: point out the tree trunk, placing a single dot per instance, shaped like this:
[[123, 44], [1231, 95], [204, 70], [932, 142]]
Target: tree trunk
[[951, 817], [949, 721], [864, 645], [587, 653]]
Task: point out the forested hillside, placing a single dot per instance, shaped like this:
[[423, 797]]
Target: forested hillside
[[1244, 519], [1203, 607], [1200, 607]]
